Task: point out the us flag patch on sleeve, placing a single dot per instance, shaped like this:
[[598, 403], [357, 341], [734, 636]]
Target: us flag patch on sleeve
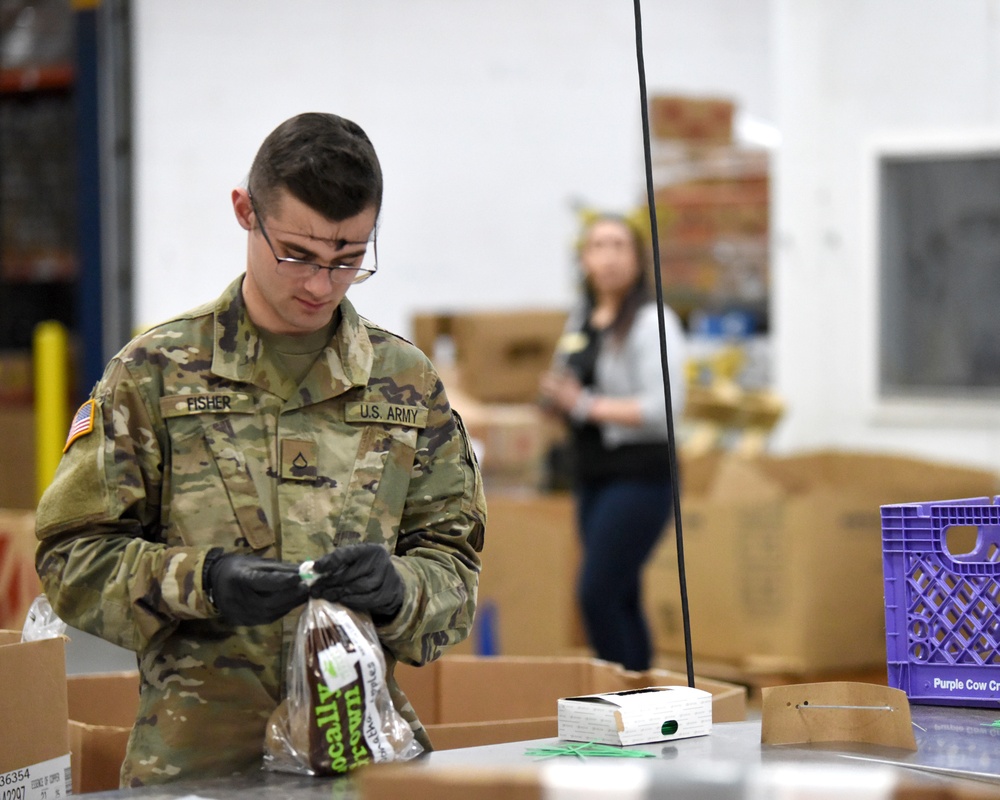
[[83, 423]]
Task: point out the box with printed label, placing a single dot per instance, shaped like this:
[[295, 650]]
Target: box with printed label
[[34, 758], [638, 716], [784, 557]]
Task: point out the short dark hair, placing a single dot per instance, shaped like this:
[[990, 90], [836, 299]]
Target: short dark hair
[[323, 160]]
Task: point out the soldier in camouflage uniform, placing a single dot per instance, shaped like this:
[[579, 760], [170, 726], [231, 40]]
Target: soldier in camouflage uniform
[[272, 426]]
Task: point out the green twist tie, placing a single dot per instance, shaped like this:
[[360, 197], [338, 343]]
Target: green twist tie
[[585, 750]]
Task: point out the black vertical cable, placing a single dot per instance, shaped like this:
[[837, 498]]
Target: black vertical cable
[[674, 475]]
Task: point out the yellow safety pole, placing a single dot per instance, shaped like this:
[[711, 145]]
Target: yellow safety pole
[[51, 356]]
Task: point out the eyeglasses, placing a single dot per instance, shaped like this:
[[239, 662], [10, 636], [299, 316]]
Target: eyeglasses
[[359, 267]]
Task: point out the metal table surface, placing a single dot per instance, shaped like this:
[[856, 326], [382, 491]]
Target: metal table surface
[[954, 746]]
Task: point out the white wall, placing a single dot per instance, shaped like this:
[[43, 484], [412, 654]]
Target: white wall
[[849, 76], [490, 118]]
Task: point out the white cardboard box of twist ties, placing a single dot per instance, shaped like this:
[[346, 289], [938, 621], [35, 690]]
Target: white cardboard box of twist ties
[[639, 716]]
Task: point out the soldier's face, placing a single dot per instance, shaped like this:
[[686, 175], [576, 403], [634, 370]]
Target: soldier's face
[[290, 304]]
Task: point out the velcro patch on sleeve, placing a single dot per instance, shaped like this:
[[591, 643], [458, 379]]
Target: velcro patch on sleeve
[[82, 424]]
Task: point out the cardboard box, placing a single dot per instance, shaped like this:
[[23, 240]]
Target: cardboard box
[[639, 716], [512, 441], [465, 701], [500, 355], [515, 589], [701, 211], [19, 583], [17, 467], [102, 710], [35, 752], [447, 694], [783, 557], [704, 120], [17, 377]]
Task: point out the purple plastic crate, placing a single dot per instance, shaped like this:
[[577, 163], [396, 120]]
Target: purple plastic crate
[[942, 610]]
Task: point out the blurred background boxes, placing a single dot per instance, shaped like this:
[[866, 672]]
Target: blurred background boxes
[[713, 218], [16, 377], [712, 196], [706, 120], [499, 355], [527, 598], [783, 557], [19, 584], [491, 363], [513, 443], [18, 488]]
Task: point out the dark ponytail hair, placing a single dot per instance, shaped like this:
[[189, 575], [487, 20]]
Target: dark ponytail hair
[[639, 294]]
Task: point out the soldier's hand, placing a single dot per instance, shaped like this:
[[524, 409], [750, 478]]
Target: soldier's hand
[[250, 590], [361, 577]]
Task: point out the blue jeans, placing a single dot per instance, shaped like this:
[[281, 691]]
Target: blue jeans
[[619, 523]]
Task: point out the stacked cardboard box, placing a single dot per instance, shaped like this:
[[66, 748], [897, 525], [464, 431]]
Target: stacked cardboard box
[[708, 120], [491, 363], [499, 355], [714, 241], [712, 206], [783, 557], [515, 589], [511, 441]]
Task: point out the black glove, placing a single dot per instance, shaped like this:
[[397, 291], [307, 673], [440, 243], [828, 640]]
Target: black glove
[[361, 577], [250, 590]]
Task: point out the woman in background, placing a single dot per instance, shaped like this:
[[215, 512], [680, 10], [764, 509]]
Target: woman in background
[[607, 381]]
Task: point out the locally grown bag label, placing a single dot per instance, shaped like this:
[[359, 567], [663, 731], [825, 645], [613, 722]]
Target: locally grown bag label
[[338, 715], [344, 678]]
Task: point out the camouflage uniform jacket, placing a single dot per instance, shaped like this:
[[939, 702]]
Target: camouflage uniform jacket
[[199, 442]]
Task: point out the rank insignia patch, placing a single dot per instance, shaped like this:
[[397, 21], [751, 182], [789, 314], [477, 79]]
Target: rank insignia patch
[[83, 423]]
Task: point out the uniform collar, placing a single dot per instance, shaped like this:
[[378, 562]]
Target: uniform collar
[[345, 362]]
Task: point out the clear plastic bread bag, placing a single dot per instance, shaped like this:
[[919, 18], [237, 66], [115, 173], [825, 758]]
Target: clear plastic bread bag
[[42, 622], [338, 714]]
